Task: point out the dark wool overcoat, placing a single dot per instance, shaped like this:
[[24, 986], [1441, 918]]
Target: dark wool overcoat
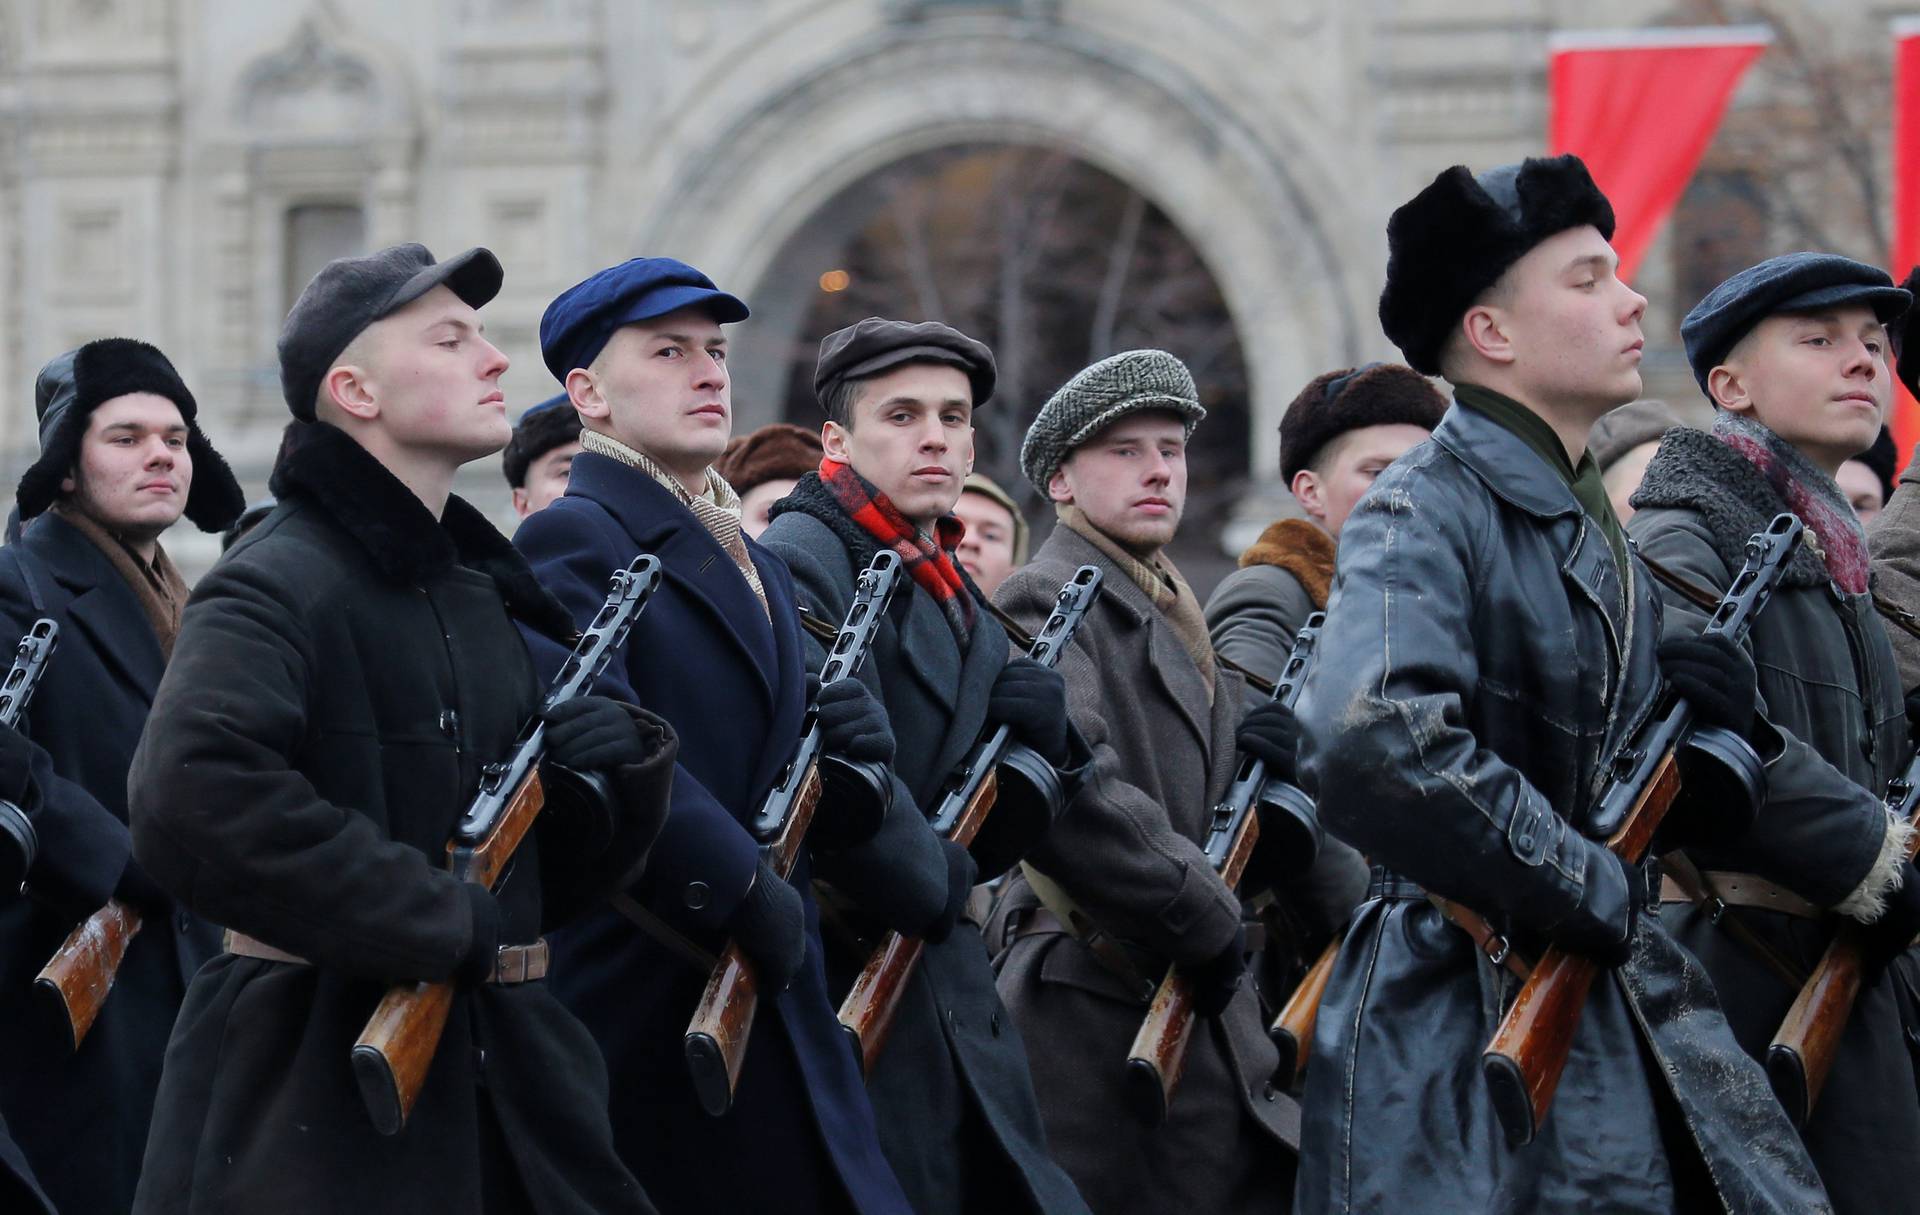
[[340, 680], [1128, 850], [82, 1117], [800, 1136], [958, 1116], [1829, 685], [1481, 663], [1894, 536]]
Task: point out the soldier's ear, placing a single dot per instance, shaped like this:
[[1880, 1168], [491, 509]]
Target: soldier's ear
[[1059, 489], [1307, 491], [1485, 327], [1727, 386], [583, 390], [837, 440], [345, 388]]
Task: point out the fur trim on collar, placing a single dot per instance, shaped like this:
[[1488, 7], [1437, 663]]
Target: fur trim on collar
[[324, 465], [1697, 472], [1302, 550]]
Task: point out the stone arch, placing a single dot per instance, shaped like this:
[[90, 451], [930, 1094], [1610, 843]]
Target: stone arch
[[1239, 190]]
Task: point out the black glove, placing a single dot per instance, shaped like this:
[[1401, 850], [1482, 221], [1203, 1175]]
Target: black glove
[[1218, 978], [593, 734], [1715, 676], [1592, 933], [1892, 934], [1913, 711], [476, 965], [16, 758], [141, 892], [852, 723], [961, 874], [1271, 734], [770, 925], [1032, 701]]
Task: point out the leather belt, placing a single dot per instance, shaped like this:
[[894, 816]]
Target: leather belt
[[1384, 883], [1744, 890], [511, 963]]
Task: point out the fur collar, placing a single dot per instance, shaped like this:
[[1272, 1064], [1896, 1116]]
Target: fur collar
[[1697, 472], [1302, 550], [407, 544], [810, 497]]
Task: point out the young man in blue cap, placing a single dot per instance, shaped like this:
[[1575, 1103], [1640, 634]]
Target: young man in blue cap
[[719, 654], [958, 1115], [1794, 355], [1492, 641], [343, 677], [540, 454]]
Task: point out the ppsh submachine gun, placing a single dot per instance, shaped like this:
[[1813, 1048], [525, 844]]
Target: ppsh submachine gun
[[391, 1057], [19, 843]]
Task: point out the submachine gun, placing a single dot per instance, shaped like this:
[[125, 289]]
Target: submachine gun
[[19, 843], [1529, 1051], [1159, 1052], [391, 1057], [716, 1040], [970, 793]]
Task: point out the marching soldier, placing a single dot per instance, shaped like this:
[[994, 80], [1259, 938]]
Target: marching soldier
[[719, 654], [122, 458], [1491, 642], [1894, 535], [536, 459], [341, 679], [1793, 354], [956, 1108], [1146, 691]]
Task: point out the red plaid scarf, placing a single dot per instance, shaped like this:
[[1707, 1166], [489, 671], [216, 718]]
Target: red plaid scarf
[[927, 558]]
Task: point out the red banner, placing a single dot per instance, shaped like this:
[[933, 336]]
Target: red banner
[[1905, 421], [1640, 108]]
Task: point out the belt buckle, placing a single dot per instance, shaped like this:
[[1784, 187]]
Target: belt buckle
[[1497, 949], [510, 964]]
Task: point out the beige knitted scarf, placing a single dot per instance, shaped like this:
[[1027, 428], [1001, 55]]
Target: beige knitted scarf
[[1170, 594], [717, 510]]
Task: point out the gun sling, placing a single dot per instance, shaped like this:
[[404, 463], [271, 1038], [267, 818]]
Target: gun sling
[[511, 964]]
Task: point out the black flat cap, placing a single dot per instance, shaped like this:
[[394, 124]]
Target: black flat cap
[[1460, 234], [351, 293], [876, 345], [1795, 282]]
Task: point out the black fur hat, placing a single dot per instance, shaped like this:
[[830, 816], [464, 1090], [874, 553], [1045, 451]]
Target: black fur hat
[[1460, 234], [550, 424], [1379, 394], [76, 383]]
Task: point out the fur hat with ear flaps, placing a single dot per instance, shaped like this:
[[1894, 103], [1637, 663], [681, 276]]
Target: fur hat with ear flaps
[[1460, 234], [73, 385]]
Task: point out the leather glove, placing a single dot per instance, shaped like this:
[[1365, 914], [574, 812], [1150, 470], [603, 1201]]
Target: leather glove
[[1716, 677], [16, 757], [1032, 701], [1271, 734], [593, 734], [961, 874], [477, 963], [141, 892], [1593, 934], [853, 725], [1218, 978], [1892, 934], [770, 925]]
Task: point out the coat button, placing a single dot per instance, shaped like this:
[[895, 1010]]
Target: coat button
[[186, 922], [993, 1023], [953, 1021], [449, 722], [1271, 1093], [697, 896]]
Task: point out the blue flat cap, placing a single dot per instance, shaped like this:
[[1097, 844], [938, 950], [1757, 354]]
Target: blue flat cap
[[1795, 282], [576, 326]]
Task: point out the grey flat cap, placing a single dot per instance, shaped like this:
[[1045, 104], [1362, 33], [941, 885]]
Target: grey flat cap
[[1795, 282], [1129, 382]]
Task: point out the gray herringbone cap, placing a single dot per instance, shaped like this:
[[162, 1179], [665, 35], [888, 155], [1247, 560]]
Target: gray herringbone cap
[[1101, 395]]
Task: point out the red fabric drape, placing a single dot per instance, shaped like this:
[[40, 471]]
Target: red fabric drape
[[1640, 109], [1905, 421]]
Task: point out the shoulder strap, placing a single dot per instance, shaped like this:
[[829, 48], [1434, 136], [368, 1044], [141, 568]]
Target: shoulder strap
[[1702, 598], [1896, 615]]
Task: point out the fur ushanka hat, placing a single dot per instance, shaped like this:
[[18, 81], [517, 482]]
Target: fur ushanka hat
[[73, 385], [1353, 398], [1460, 234]]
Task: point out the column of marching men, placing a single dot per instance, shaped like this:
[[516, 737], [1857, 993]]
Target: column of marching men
[[352, 881]]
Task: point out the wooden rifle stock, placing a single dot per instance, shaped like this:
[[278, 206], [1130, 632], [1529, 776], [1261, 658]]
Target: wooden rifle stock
[[80, 974], [717, 1034], [1803, 1050], [1292, 1030], [871, 1004], [395, 1049]]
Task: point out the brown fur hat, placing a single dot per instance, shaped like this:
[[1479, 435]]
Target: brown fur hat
[[1378, 394], [777, 451]]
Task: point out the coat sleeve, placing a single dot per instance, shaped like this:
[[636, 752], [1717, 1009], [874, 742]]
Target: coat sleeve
[[225, 823], [701, 842], [1820, 834], [83, 846], [1894, 537], [581, 863], [899, 875], [1253, 617], [1387, 747], [1114, 848]]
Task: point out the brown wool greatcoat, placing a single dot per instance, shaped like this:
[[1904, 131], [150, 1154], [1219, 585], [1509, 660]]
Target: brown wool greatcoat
[[1128, 850]]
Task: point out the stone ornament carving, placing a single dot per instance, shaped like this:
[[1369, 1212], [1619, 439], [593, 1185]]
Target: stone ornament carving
[[311, 84]]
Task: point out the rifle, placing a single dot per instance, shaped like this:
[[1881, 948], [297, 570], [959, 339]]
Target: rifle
[[1159, 1052], [971, 791], [1529, 1051], [716, 1039], [1802, 1051], [19, 842], [394, 1050]]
